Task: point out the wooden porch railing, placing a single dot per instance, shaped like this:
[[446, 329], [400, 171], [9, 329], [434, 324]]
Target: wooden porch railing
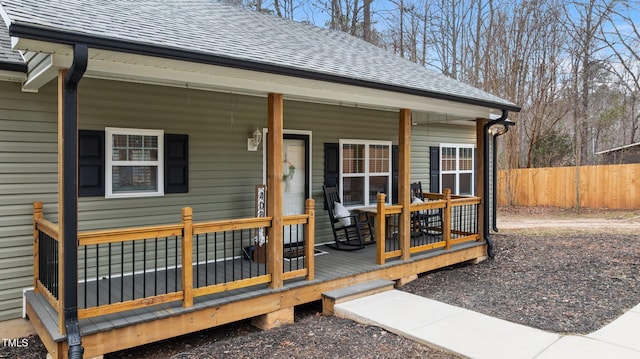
[[459, 224], [123, 269], [46, 259]]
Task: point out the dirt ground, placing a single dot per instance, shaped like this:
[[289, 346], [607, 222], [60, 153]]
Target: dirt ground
[[557, 218], [555, 269]]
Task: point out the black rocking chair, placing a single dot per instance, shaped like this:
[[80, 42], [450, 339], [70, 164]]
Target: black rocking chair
[[426, 221], [348, 229]]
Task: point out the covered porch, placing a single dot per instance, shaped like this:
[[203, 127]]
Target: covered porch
[[152, 282]]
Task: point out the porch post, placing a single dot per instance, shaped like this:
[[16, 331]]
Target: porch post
[[480, 174], [309, 234], [404, 181], [275, 233]]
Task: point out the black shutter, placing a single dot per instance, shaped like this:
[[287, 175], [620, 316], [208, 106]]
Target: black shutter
[[91, 164], [434, 169], [176, 163], [331, 165], [395, 152]]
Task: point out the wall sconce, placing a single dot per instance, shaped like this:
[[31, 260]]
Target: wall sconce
[[253, 142]]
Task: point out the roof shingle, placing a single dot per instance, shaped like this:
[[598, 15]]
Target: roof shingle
[[210, 28]]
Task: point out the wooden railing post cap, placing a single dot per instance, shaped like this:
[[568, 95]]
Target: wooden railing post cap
[[381, 197], [37, 206], [187, 212], [310, 203], [447, 192]]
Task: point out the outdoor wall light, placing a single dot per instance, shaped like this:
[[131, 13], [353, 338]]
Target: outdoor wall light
[[253, 142]]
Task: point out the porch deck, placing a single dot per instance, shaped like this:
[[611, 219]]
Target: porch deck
[[334, 270]]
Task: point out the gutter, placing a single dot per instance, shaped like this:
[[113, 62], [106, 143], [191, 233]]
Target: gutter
[[494, 219], [14, 67], [502, 120], [70, 197], [71, 38]]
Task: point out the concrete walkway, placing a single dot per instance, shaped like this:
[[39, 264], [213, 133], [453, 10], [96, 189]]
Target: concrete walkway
[[476, 335]]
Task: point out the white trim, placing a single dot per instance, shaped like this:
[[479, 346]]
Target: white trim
[[12, 76], [366, 174], [24, 301], [109, 163]]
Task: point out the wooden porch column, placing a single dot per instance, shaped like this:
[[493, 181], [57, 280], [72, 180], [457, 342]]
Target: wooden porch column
[[480, 168], [309, 233], [404, 181], [275, 233], [62, 74], [381, 225], [187, 257]]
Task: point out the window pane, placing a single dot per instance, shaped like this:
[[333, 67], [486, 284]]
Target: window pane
[[151, 141], [353, 191], [135, 148], [465, 184], [449, 181], [352, 158], [448, 159], [119, 154], [150, 148], [377, 184], [135, 179], [466, 159], [119, 141], [378, 158], [135, 140]]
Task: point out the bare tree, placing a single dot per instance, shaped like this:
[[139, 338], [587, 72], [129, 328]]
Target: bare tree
[[623, 39], [584, 20]]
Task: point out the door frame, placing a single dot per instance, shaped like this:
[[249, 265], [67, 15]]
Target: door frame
[[292, 134]]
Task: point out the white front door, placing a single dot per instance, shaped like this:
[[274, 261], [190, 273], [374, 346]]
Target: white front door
[[296, 180], [293, 180]]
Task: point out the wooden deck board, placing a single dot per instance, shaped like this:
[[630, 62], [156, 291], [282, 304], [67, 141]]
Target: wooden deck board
[[333, 270]]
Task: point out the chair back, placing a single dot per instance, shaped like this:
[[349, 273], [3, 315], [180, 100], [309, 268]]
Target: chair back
[[416, 190], [330, 198]]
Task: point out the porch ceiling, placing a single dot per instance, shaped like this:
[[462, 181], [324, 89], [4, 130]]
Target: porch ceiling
[[107, 64]]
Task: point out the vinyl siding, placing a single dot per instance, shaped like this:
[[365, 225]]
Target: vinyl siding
[[222, 173], [28, 172]]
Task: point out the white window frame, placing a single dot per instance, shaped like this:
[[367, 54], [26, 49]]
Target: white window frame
[[110, 163], [367, 174], [457, 172]]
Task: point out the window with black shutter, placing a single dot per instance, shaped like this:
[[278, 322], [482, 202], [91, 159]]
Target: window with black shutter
[[363, 154], [92, 163]]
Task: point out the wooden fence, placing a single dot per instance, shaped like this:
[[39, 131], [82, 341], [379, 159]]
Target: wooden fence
[[604, 186]]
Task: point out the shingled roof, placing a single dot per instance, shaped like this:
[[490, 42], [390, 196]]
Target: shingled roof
[[207, 31], [10, 60]]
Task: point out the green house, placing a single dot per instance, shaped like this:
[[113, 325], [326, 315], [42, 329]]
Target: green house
[[124, 127]]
